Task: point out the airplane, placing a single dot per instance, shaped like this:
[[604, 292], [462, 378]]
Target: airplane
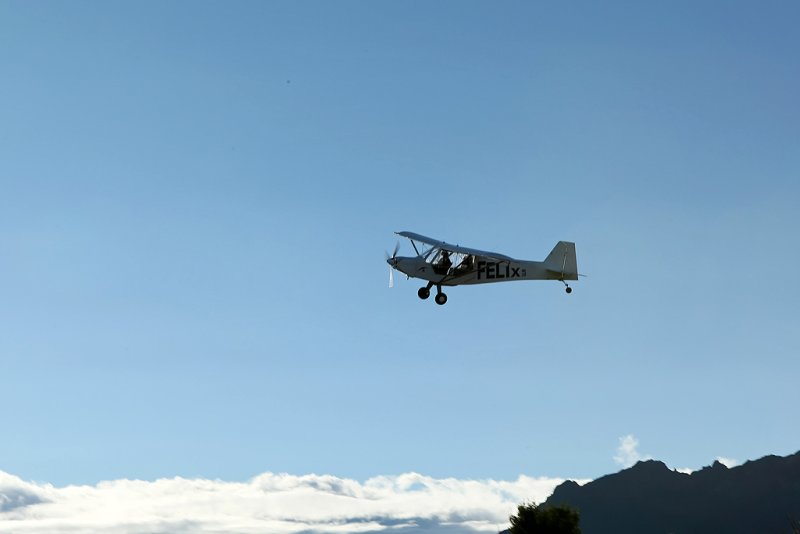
[[443, 264]]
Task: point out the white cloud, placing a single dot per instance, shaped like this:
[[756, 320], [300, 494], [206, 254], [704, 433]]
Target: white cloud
[[727, 462], [627, 451], [269, 503]]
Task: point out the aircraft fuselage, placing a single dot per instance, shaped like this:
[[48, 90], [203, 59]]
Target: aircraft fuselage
[[483, 272]]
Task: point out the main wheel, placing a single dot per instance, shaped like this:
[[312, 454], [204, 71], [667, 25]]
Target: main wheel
[[423, 293], [569, 289], [441, 298]]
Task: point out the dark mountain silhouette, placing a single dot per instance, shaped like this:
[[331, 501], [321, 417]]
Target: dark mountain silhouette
[[759, 497]]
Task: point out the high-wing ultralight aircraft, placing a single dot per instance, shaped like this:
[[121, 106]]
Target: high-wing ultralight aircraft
[[443, 264]]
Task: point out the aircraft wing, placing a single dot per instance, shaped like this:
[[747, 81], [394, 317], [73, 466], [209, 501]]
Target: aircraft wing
[[454, 248]]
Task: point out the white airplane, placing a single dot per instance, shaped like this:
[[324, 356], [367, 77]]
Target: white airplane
[[443, 264]]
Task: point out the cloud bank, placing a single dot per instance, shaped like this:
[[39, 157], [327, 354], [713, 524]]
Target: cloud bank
[[269, 503]]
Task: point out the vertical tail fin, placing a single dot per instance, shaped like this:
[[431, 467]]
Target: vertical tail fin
[[562, 260]]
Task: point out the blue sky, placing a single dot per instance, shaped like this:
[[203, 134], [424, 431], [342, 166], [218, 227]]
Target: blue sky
[[195, 199]]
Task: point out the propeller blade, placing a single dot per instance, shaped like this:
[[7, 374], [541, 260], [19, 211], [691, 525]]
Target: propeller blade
[[391, 276], [396, 248]]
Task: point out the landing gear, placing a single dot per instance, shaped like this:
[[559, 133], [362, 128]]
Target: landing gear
[[425, 292], [441, 298], [569, 289]]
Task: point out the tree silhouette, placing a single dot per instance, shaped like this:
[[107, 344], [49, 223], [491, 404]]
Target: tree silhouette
[[533, 519]]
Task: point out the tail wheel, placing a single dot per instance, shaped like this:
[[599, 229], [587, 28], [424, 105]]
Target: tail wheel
[[441, 298], [569, 289]]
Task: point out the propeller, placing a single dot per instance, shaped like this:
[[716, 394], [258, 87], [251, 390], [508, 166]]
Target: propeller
[[391, 265]]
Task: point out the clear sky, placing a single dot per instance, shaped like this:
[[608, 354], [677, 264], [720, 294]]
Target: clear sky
[[196, 197]]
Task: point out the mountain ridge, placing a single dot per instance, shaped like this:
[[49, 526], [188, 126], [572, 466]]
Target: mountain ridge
[[758, 497]]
